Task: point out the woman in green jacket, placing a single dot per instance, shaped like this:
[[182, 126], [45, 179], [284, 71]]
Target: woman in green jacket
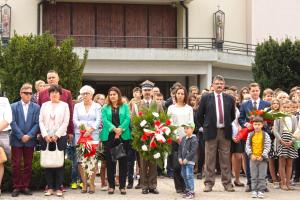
[[116, 120]]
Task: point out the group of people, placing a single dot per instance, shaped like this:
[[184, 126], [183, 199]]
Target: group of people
[[207, 125]]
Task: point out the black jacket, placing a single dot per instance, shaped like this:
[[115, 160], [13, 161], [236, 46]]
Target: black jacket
[[207, 115]]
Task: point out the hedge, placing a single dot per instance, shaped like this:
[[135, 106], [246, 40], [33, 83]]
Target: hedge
[[38, 181]]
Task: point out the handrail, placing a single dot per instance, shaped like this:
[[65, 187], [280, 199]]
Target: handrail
[[194, 43]]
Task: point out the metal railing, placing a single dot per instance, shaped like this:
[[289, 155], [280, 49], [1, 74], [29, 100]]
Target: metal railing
[[158, 42]]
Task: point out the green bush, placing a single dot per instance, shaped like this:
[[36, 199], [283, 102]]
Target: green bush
[[38, 181]]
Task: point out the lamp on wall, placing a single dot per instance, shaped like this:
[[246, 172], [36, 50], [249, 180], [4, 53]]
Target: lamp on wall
[[5, 25], [219, 28], [52, 1]]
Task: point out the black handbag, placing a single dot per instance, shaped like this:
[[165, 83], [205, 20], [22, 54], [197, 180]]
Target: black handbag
[[117, 152]]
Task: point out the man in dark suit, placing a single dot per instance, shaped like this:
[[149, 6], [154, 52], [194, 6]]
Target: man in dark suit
[[215, 114], [53, 79], [253, 104], [24, 126], [148, 180]]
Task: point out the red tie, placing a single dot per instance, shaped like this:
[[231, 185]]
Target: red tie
[[221, 119]]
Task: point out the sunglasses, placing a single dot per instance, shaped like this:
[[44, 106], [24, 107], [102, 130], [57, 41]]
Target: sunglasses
[[27, 93]]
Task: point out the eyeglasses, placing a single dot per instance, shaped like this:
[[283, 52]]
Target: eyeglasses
[[27, 93], [147, 90], [85, 94]]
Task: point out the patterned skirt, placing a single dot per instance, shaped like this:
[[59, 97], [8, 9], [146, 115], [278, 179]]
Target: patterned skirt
[[287, 152]]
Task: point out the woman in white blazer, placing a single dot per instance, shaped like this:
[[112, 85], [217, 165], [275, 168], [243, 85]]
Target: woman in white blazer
[[53, 121]]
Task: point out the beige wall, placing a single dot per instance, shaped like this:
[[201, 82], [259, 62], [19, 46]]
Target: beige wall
[[201, 18], [24, 16], [276, 18]]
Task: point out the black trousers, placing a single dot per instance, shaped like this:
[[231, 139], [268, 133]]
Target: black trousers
[[111, 165], [178, 180], [54, 177], [131, 157], [201, 153]]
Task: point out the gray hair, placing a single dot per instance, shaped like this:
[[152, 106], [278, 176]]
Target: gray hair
[[87, 89], [219, 78]]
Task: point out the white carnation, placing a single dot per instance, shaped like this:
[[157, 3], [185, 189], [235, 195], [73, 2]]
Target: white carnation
[[155, 114], [144, 148], [167, 131], [143, 123], [156, 156]]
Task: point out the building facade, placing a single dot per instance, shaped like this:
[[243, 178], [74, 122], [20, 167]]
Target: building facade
[[161, 40]]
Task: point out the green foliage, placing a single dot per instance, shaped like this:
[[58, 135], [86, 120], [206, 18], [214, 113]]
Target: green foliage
[[29, 58], [277, 65], [38, 181], [139, 132]]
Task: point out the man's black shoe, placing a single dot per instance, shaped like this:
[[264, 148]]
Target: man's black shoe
[[26, 191], [15, 193], [153, 191], [145, 191], [130, 186]]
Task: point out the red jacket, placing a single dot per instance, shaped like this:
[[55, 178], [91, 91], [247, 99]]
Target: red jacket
[[65, 97]]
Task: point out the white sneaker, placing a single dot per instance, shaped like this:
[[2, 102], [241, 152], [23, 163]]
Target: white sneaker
[[104, 188], [260, 195], [254, 194]]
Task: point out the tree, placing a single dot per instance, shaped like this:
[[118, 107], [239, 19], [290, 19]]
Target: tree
[[277, 65], [29, 58]]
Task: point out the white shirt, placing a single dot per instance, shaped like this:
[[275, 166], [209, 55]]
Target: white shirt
[[25, 109], [181, 115], [257, 102], [219, 125], [235, 123], [5, 112]]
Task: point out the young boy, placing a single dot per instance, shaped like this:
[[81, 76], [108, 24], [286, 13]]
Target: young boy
[[187, 157], [257, 148]]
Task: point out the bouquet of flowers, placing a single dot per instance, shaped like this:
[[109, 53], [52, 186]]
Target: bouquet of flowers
[[87, 151], [153, 135], [268, 116]]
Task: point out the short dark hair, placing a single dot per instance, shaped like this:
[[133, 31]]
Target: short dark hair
[[55, 88], [251, 85], [186, 96], [258, 119], [219, 78], [137, 89]]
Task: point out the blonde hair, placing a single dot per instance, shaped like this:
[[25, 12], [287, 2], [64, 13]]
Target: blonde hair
[[26, 86], [38, 82]]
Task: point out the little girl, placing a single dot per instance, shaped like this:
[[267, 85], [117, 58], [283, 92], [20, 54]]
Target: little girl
[[283, 130], [273, 158]]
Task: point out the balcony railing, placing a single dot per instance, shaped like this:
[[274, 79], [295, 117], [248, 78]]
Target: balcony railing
[[159, 42]]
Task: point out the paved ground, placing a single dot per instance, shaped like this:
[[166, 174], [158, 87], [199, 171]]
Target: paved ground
[[166, 189]]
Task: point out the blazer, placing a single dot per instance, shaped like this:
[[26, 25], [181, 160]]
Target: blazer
[[247, 107], [108, 126], [20, 128], [65, 97], [62, 116], [207, 115], [279, 125]]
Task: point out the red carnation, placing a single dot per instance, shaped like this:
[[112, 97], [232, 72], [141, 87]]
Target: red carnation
[[140, 113], [82, 132], [153, 145], [169, 141], [157, 123], [168, 122], [144, 137], [259, 112]]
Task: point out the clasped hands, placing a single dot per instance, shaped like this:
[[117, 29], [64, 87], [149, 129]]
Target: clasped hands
[[25, 138], [258, 158], [118, 132], [286, 144], [49, 139]]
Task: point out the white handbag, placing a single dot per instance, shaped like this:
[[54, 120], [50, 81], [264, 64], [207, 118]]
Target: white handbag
[[52, 159]]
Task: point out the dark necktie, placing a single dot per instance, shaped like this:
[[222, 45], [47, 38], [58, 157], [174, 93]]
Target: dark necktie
[[255, 105], [147, 104], [221, 117]]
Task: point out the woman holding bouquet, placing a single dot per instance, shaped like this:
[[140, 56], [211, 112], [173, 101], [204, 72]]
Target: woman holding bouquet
[[87, 113], [53, 120], [180, 113], [116, 120]]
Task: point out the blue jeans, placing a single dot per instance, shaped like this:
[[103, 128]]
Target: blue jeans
[[187, 172], [71, 153]]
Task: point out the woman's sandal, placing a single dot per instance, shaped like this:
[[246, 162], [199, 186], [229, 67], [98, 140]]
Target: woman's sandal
[[238, 184], [123, 191], [111, 191]]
